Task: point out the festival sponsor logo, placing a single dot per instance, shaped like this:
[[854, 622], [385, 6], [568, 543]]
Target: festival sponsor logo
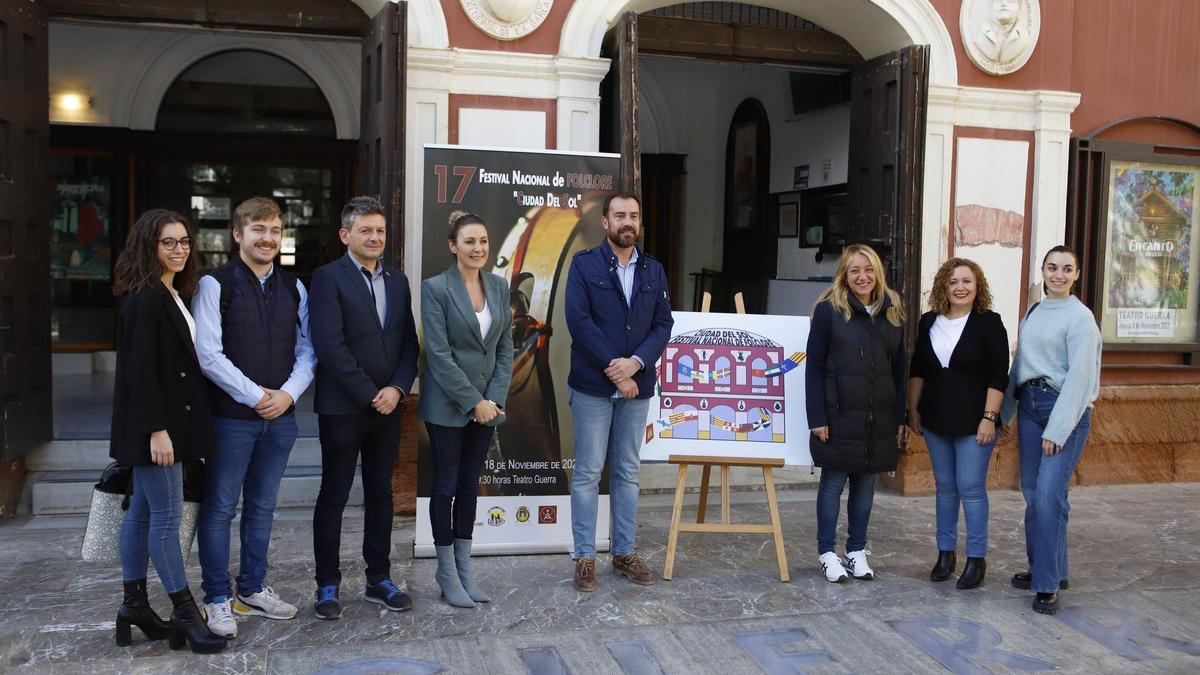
[[522, 514], [495, 516], [547, 515]]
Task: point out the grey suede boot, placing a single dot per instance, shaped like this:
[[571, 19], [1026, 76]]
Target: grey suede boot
[[462, 558], [447, 579]]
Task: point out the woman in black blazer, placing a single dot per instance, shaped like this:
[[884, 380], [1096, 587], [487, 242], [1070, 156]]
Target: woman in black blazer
[[956, 383], [160, 419]]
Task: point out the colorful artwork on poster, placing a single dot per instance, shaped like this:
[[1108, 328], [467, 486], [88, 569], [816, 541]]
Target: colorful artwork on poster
[[1150, 272], [731, 385], [80, 245]]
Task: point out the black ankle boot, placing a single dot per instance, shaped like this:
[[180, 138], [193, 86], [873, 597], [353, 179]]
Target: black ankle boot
[[973, 572], [187, 626], [1045, 603], [944, 566], [136, 611]]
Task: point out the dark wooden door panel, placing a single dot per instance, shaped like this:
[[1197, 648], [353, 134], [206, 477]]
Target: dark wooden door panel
[[25, 406], [381, 137], [886, 169], [620, 131]]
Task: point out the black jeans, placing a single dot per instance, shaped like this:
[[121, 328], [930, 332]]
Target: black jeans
[[458, 454], [343, 438]]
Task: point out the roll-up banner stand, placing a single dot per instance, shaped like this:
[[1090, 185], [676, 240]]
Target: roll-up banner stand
[[541, 207]]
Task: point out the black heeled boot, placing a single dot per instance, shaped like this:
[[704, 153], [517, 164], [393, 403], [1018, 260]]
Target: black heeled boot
[[944, 566], [187, 626], [136, 611], [973, 573]]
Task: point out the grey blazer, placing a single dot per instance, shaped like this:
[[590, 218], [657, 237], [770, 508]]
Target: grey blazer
[[461, 367]]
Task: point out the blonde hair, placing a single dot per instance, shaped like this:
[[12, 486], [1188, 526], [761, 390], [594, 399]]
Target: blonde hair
[[939, 299], [838, 293]]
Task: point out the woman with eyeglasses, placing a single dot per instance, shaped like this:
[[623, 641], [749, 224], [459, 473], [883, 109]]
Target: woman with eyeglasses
[[160, 420]]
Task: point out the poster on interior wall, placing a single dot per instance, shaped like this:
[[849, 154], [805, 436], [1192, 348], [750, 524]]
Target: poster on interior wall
[[80, 245], [541, 207], [1150, 272], [731, 385]]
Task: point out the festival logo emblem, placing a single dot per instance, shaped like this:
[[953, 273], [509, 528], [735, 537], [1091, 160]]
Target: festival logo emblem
[[495, 516], [522, 514], [547, 515]]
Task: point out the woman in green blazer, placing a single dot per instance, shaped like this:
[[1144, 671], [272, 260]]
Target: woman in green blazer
[[468, 355]]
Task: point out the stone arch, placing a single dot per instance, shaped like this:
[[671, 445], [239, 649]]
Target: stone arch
[[332, 65], [873, 27]]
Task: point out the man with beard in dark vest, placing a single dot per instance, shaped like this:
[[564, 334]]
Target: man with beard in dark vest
[[253, 344]]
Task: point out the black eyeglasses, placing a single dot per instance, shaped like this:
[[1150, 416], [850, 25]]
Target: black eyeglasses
[[170, 243]]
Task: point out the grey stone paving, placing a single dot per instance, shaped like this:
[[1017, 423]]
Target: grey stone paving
[[1133, 607]]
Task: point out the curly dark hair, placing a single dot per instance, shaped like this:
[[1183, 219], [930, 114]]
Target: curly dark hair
[[138, 267], [939, 299]]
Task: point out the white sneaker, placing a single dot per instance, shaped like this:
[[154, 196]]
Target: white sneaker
[[264, 603], [831, 564], [220, 619], [856, 562]]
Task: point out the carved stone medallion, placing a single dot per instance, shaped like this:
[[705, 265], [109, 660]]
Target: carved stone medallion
[[507, 19], [999, 35]]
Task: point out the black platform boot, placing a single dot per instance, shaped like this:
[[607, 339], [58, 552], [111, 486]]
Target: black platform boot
[[136, 611], [973, 573], [187, 626], [944, 566]]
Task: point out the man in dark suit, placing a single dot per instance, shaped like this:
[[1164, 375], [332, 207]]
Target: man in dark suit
[[366, 343]]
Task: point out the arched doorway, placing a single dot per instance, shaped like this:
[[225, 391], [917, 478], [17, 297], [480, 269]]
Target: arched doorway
[[846, 169], [244, 123], [749, 250]]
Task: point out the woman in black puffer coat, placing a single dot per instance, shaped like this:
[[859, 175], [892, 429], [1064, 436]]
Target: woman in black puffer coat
[[855, 389]]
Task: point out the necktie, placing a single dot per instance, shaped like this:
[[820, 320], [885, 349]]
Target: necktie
[[371, 285]]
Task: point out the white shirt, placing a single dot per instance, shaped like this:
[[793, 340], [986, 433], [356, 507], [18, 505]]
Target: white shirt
[[944, 335], [187, 316], [485, 320]]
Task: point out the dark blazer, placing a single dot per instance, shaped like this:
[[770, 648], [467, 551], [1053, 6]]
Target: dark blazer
[[158, 381], [603, 326], [461, 366], [953, 398], [356, 356], [854, 384]]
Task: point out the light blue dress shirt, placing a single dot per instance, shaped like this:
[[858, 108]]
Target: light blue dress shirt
[[210, 349], [375, 286]]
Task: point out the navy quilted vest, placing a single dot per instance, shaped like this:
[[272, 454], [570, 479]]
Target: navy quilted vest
[[258, 332]]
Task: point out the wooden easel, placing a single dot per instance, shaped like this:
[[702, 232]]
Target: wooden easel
[[726, 524]]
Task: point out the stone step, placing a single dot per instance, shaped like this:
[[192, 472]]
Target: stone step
[[64, 492], [92, 455]]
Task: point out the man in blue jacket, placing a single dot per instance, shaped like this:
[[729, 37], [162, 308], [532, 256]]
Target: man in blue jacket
[[619, 315], [366, 343]]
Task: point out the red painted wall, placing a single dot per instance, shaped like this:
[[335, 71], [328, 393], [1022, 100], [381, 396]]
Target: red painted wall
[[1126, 57], [543, 40]]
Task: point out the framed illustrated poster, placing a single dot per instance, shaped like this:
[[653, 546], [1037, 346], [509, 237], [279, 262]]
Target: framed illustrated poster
[[1149, 284]]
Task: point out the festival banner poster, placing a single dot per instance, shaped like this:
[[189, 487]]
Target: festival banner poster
[[541, 207], [1150, 275], [731, 385]]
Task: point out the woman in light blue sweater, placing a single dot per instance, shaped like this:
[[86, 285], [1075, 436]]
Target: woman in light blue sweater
[[1054, 379]]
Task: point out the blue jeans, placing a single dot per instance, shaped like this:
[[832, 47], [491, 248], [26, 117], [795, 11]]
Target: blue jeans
[[1044, 483], [858, 508], [249, 461], [612, 428], [151, 528], [960, 467], [458, 454]]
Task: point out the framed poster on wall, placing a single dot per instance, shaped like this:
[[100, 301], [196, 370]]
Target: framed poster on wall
[[1150, 283]]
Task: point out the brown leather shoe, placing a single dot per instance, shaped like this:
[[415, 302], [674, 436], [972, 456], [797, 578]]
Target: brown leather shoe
[[585, 575], [632, 566]]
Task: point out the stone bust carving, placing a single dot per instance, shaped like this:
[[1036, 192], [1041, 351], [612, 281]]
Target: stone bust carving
[[999, 35], [507, 19]]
